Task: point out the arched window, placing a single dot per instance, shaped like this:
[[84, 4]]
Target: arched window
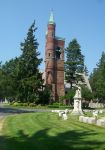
[[58, 52]]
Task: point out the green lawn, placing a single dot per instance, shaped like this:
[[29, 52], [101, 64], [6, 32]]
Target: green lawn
[[46, 131]]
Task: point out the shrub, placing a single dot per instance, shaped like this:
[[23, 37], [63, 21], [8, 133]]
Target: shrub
[[53, 106], [69, 96], [25, 104], [39, 106], [32, 104], [58, 105], [45, 96], [65, 107], [17, 104]]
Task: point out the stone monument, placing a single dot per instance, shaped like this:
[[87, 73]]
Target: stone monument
[[77, 98], [77, 102]]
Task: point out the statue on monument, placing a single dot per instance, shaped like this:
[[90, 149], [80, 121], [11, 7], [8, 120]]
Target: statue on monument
[[78, 92], [77, 98], [77, 101]]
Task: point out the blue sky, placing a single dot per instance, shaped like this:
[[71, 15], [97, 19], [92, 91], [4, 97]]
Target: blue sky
[[80, 19]]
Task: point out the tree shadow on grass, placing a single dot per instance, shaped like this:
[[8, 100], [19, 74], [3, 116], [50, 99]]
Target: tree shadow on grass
[[4, 111], [71, 140], [13, 110]]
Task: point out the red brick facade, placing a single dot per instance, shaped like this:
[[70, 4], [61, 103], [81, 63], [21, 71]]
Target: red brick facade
[[54, 63]]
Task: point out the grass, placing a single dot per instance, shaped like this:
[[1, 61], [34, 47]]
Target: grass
[[46, 131]]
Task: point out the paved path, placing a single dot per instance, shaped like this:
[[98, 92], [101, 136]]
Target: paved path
[[5, 111]]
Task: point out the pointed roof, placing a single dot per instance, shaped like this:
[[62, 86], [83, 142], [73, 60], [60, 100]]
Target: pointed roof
[[51, 19]]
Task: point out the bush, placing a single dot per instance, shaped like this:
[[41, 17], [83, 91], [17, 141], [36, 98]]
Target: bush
[[39, 106], [58, 105], [44, 96], [53, 106], [65, 107], [17, 104], [69, 96], [32, 104], [25, 104]]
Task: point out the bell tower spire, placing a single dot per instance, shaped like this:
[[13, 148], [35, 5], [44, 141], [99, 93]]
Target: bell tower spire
[[54, 61], [51, 19]]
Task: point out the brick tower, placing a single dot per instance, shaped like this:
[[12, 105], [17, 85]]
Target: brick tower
[[54, 61]]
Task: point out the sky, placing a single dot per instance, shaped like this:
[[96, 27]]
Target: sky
[[80, 19]]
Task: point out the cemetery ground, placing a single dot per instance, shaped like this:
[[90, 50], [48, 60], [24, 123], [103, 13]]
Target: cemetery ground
[[47, 131]]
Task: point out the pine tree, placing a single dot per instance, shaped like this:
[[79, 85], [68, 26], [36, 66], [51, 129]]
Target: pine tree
[[97, 80], [9, 78], [29, 77], [74, 63], [86, 70]]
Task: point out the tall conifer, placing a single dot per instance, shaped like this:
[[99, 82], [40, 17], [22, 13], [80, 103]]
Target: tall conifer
[[74, 62], [30, 79]]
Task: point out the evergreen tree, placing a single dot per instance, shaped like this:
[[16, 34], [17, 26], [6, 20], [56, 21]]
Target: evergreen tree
[[11, 67], [29, 77], [8, 82], [1, 91], [74, 62], [86, 70], [86, 93], [97, 80], [0, 64]]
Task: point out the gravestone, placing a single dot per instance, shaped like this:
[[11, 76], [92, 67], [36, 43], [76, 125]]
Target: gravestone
[[65, 116], [100, 122], [61, 113]]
